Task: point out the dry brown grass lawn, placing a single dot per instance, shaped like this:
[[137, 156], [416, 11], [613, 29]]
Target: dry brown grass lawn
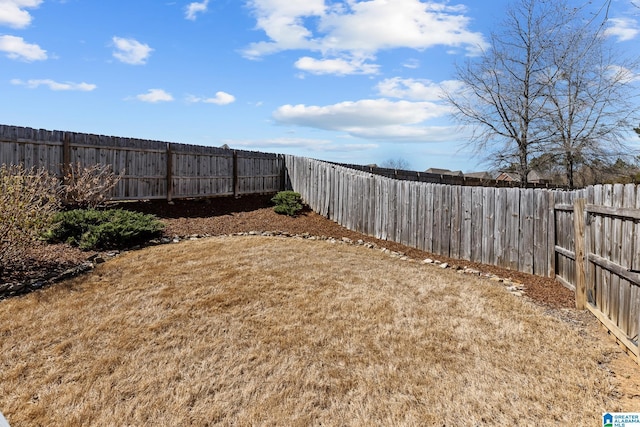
[[267, 331]]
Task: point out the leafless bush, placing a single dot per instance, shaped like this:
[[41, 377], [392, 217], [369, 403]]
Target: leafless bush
[[88, 186], [28, 200]]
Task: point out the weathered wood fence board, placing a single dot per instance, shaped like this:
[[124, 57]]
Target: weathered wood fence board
[[151, 169], [613, 284], [507, 227], [611, 246]]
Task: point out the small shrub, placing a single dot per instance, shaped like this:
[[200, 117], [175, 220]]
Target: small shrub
[[104, 229], [287, 203], [89, 186], [28, 201]]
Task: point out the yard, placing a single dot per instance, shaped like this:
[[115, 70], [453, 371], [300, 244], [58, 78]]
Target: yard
[[271, 331]]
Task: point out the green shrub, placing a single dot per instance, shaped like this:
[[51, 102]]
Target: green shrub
[[287, 203], [104, 229]]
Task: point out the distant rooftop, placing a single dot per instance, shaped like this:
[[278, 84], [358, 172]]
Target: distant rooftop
[[444, 172]]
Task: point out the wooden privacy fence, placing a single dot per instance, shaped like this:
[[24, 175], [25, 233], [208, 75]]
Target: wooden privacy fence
[[606, 257], [507, 227], [152, 169]]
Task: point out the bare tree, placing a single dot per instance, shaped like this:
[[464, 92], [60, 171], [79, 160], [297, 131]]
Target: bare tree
[[399, 164], [547, 84], [589, 94], [503, 95]]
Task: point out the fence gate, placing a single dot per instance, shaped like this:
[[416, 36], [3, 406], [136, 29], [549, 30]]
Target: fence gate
[[607, 244]]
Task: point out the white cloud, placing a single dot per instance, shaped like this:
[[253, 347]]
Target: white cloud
[[282, 21], [357, 29], [221, 98], [193, 9], [321, 145], [335, 66], [17, 48], [412, 64], [13, 13], [154, 96], [131, 51], [624, 29], [57, 86], [421, 134], [380, 24], [416, 89], [368, 118]]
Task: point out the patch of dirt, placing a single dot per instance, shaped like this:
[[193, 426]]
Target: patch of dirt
[[43, 261]]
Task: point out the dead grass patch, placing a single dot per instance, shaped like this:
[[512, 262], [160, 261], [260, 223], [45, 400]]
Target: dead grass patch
[[267, 331]]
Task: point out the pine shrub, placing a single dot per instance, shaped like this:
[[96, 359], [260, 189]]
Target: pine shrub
[[287, 203], [104, 229]]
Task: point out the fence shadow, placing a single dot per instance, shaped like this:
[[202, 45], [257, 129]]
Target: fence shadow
[[198, 208]]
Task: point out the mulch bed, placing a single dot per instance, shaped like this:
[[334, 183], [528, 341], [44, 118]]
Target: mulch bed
[[224, 216]]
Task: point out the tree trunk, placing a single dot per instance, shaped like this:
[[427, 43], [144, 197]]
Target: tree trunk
[[569, 165], [524, 167]]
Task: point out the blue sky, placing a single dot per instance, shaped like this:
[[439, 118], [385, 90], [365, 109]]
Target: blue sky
[[348, 81]]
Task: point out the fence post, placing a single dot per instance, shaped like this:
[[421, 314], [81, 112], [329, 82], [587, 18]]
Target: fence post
[[66, 159], [169, 173], [283, 172], [236, 183], [551, 236], [579, 225]]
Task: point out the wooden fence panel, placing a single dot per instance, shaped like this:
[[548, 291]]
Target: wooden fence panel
[[479, 235], [429, 217], [526, 242], [325, 206], [614, 255], [420, 202], [445, 220], [563, 247], [151, 169], [607, 288], [31, 147], [466, 208], [500, 227], [634, 301], [402, 217], [512, 232], [540, 233], [456, 221], [597, 230], [438, 225], [612, 287], [590, 268], [141, 163], [627, 288]]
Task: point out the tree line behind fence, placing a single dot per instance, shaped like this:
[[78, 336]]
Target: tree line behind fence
[[152, 169]]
